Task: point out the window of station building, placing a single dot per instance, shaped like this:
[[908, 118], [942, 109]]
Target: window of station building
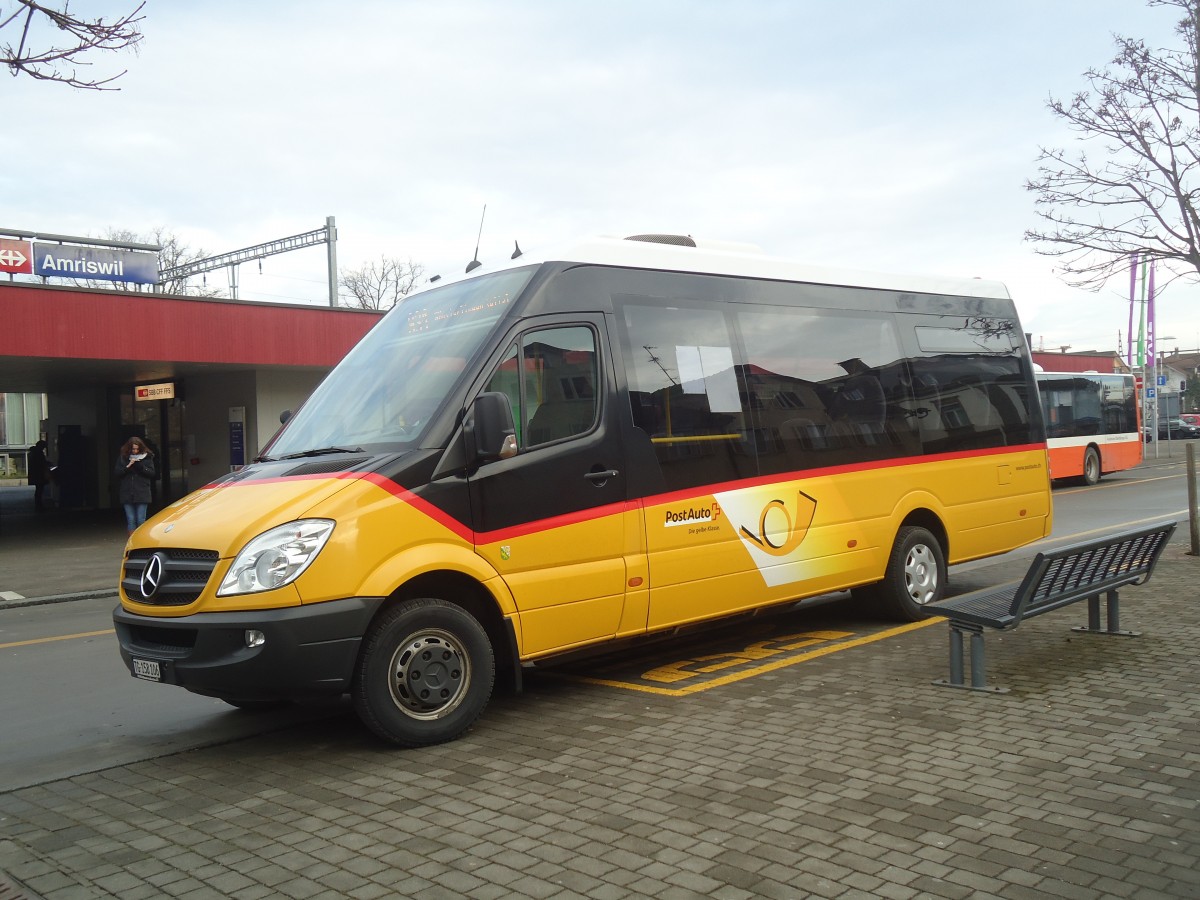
[[686, 392], [826, 387], [551, 379]]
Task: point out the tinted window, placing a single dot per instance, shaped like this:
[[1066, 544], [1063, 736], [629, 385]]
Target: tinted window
[[551, 379], [1087, 404], [826, 387], [686, 393], [970, 385], [1120, 405]]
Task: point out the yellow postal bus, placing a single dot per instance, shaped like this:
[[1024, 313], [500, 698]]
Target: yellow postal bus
[[625, 438]]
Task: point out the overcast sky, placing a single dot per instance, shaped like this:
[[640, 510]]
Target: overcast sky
[[890, 135]]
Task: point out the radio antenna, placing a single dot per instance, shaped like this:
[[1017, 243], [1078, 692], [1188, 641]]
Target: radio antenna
[[475, 263]]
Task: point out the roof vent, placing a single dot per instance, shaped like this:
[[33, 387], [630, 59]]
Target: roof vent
[[686, 240], [678, 240]]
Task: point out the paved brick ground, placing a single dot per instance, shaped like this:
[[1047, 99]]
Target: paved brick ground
[[847, 776]]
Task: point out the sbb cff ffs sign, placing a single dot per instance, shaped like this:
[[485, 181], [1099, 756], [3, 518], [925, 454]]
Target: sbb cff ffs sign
[[16, 257], [164, 391]]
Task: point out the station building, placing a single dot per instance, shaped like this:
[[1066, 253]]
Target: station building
[[202, 381]]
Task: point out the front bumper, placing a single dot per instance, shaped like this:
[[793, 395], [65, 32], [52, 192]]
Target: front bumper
[[308, 650]]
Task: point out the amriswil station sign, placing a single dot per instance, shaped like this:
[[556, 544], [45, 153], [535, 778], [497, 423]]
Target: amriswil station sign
[[59, 260], [65, 261]]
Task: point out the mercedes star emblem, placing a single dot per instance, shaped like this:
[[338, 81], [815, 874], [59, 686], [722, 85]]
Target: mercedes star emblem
[[152, 575]]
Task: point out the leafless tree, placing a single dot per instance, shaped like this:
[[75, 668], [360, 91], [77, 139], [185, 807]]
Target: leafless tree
[[176, 253], [1134, 186], [380, 285], [47, 42]]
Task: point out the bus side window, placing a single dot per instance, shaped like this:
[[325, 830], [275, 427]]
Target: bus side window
[[687, 393], [551, 379], [833, 387], [506, 381]]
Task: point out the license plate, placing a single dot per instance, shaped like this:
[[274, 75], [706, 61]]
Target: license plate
[[148, 669]]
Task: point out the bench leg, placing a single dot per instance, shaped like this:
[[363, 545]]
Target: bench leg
[[1113, 610], [956, 657], [978, 662]]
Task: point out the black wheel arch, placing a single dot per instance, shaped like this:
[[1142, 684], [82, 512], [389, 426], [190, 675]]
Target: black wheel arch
[[929, 520], [468, 594]]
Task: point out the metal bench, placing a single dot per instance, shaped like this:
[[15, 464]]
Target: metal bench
[[1055, 579]]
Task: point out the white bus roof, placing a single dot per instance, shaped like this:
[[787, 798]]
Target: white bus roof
[[744, 260]]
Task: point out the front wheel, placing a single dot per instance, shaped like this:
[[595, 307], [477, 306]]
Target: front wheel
[[424, 674], [1091, 466], [914, 578]]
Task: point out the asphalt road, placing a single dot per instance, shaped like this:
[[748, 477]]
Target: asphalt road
[[70, 707]]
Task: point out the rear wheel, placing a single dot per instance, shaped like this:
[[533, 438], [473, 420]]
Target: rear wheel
[[425, 673], [914, 578], [1091, 466]]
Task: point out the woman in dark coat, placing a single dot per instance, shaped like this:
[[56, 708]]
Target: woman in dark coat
[[39, 472], [135, 472]]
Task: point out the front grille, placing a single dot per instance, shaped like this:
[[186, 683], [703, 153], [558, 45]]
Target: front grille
[[148, 639], [183, 577]]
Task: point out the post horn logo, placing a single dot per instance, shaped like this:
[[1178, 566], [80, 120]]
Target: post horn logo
[[780, 530]]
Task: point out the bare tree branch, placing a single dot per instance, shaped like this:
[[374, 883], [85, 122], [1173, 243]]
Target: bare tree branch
[[39, 54], [1134, 186], [381, 285]]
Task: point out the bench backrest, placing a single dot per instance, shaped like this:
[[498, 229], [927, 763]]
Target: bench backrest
[[1083, 570]]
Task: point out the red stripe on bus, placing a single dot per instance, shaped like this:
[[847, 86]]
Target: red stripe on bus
[[466, 533]]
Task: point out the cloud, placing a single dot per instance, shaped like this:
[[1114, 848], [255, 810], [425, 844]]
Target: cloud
[[882, 136]]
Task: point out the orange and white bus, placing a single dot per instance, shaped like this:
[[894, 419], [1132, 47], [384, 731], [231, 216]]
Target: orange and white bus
[[1093, 424], [616, 440]]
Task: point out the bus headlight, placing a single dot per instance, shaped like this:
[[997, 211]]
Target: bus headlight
[[276, 557]]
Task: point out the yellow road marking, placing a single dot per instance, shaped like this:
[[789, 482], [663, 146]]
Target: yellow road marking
[[60, 637], [758, 670]]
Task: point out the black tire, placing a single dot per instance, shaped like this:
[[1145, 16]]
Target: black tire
[[914, 578], [424, 674], [1091, 466]]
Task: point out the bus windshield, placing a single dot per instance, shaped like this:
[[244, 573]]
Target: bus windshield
[[381, 396]]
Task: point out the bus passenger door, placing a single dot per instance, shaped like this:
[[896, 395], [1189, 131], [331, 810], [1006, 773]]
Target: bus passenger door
[[552, 519]]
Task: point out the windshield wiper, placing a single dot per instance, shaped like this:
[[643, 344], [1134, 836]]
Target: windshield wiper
[[320, 451]]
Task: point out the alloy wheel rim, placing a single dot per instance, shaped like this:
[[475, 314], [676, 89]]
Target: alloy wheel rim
[[921, 574]]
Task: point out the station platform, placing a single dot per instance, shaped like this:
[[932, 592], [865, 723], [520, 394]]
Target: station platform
[[838, 771]]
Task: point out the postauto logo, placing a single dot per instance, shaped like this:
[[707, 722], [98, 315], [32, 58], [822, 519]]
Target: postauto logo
[[692, 515]]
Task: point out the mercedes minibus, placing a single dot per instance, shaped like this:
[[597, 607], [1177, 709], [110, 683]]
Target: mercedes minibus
[[621, 439]]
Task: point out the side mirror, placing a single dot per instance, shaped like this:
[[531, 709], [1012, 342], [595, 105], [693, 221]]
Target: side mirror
[[488, 430], [284, 416]]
